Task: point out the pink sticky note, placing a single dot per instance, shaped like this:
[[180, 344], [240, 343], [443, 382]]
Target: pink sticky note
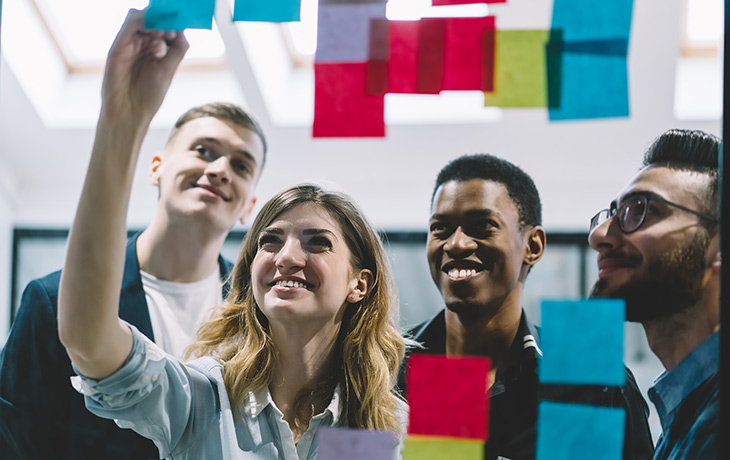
[[464, 53], [403, 61], [430, 55], [342, 108], [377, 68], [448, 396]]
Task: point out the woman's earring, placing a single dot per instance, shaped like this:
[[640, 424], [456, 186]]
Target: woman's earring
[[353, 297]]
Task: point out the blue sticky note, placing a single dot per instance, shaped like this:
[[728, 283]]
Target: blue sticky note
[[582, 342], [571, 431], [587, 85], [354, 444], [267, 10], [589, 20], [180, 14], [343, 31]]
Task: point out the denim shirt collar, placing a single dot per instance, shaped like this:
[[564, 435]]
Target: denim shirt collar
[[258, 400], [673, 387]]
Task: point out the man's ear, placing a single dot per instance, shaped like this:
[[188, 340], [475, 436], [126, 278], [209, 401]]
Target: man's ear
[[247, 211], [535, 247], [154, 172], [714, 256]]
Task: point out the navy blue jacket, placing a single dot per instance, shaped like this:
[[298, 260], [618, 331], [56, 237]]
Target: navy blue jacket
[[41, 415], [515, 395]]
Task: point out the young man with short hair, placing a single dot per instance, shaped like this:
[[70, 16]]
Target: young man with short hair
[[173, 271], [484, 236], [658, 248]]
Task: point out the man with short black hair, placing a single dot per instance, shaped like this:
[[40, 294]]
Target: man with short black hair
[[484, 236], [658, 248]]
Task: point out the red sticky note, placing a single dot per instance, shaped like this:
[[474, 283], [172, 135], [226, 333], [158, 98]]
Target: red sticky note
[[342, 108], [448, 396], [464, 53], [378, 52], [430, 55], [463, 2], [403, 61]]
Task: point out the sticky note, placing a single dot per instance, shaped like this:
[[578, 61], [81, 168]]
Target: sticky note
[[587, 85], [520, 77], [582, 342], [403, 57], [468, 52], [435, 448], [582, 20], [377, 65], [448, 396], [430, 75], [571, 431], [342, 108], [267, 10], [179, 14], [343, 31], [463, 2], [354, 444]]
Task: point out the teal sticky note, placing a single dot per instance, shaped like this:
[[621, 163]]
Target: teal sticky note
[[582, 342], [267, 10], [180, 14], [571, 431], [590, 20], [587, 85]]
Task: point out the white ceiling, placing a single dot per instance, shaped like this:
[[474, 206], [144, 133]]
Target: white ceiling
[[47, 118]]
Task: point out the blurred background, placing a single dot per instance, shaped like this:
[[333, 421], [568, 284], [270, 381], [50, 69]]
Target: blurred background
[[52, 61]]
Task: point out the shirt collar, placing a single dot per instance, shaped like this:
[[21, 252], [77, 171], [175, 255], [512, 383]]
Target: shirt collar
[[258, 400], [672, 387]]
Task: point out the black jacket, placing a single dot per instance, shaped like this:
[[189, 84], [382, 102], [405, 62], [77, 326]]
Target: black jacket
[[41, 415], [515, 395]]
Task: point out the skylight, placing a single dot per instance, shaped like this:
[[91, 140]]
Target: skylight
[[84, 30]]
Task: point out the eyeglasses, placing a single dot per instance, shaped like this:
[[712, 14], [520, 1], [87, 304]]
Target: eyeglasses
[[632, 212]]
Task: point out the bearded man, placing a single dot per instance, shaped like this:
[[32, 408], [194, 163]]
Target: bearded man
[[658, 248]]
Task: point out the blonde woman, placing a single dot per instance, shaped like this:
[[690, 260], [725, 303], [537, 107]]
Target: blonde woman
[[307, 337]]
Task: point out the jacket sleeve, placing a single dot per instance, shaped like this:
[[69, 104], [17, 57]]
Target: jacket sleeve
[[638, 443], [34, 378]]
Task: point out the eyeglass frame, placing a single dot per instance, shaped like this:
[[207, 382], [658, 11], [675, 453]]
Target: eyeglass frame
[[649, 197]]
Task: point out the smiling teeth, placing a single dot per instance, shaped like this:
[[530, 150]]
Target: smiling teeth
[[456, 273], [290, 283]]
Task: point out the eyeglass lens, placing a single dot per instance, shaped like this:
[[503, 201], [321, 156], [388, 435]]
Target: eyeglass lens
[[631, 214]]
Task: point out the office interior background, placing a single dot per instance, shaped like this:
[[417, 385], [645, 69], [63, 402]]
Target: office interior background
[[52, 61]]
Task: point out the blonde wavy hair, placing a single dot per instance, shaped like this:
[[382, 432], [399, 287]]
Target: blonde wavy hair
[[369, 347]]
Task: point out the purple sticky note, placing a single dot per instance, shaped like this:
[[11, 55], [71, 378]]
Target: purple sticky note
[[353, 444], [343, 31]]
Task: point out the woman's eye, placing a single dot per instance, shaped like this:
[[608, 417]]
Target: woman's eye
[[268, 240], [437, 228], [320, 243]]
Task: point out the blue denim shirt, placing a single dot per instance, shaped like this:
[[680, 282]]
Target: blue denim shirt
[[687, 401], [185, 409]]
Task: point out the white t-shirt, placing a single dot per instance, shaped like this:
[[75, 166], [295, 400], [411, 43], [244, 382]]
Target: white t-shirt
[[178, 309]]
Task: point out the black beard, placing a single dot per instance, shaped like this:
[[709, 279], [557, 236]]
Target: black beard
[[671, 284]]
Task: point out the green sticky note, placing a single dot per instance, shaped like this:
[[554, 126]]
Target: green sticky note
[[435, 448], [520, 75]]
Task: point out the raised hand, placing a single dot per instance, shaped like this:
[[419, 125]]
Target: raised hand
[[139, 69]]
